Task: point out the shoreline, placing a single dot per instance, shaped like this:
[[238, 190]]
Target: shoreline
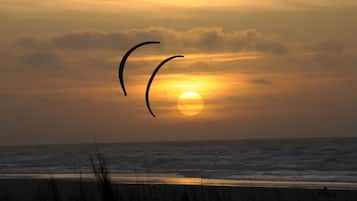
[[90, 190], [174, 179]]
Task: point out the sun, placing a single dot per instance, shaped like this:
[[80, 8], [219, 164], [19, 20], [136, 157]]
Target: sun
[[190, 103]]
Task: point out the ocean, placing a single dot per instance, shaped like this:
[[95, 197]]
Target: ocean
[[327, 160]]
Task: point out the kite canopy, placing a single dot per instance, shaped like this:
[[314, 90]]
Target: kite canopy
[[123, 61], [152, 78]]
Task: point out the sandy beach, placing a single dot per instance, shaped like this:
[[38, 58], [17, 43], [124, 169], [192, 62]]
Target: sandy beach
[[89, 190]]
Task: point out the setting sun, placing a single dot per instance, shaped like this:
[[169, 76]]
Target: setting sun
[[179, 100], [190, 103]]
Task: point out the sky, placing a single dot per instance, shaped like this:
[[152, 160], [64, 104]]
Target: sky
[[271, 69]]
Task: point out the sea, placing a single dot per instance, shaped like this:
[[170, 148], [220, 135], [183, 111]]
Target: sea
[[314, 162]]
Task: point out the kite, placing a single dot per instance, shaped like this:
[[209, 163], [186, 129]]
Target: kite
[[125, 57], [152, 78]]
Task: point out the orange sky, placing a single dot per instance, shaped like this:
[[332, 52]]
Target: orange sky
[[271, 69]]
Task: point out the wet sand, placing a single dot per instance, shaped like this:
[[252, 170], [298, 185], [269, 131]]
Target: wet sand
[[89, 190]]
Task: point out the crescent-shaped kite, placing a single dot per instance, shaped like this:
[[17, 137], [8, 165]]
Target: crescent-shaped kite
[[152, 78], [125, 57]]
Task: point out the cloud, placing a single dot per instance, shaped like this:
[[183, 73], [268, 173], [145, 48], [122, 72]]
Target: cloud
[[34, 54], [261, 81], [90, 40], [24, 44], [194, 40], [82, 55], [337, 55], [41, 59], [330, 47]]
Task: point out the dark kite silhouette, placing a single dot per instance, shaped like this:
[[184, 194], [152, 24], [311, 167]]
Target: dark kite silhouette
[[152, 78], [125, 57]]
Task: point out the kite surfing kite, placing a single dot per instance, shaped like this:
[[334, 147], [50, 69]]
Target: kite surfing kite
[[152, 78], [123, 61], [122, 65]]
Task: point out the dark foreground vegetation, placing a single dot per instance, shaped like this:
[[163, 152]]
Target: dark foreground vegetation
[[102, 189], [67, 190]]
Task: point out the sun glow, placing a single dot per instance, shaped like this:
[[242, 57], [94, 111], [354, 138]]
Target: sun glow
[[190, 103], [185, 94]]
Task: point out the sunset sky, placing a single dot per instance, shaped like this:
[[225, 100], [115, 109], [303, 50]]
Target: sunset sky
[[263, 69]]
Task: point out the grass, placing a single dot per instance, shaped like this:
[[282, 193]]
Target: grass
[[103, 189], [102, 176]]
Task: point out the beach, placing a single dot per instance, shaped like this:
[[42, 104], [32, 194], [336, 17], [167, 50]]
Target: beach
[[279, 170], [90, 190]]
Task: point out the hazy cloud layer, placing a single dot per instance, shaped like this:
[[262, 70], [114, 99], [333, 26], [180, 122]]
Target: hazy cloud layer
[[196, 40]]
